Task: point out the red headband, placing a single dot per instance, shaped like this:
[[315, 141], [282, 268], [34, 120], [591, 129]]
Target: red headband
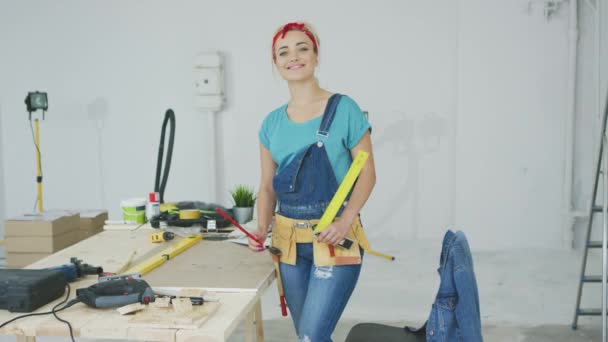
[[293, 27]]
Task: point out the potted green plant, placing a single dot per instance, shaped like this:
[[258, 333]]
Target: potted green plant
[[244, 200]]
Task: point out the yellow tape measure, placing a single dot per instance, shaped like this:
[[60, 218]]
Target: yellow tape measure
[[347, 183]]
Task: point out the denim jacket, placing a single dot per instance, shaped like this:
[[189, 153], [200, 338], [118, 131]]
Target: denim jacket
[[455, 314]]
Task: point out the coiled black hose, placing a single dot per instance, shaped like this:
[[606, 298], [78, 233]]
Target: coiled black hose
[[158, 185]]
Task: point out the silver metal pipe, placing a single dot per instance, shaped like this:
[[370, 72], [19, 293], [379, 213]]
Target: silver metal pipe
[[605, 237]]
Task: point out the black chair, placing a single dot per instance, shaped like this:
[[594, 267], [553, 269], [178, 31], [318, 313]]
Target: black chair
[[369, 332]]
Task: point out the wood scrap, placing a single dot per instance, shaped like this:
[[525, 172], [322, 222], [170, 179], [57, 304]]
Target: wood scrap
[[181, 305], [167, 318], [191, 292], [179, 291], [127, 309], [162, 302]]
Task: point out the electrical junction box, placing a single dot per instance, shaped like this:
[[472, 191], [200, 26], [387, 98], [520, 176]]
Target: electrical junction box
[[209, 81]]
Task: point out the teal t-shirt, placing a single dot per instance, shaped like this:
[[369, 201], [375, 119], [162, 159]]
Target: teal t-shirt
[[284, 138]]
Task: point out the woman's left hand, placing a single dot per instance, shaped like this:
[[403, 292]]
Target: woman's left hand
[[335, 233]]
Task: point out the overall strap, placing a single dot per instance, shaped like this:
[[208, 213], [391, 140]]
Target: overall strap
[[328, 115]]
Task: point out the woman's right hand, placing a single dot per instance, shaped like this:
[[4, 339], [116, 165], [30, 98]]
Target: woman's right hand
[[254, 245]]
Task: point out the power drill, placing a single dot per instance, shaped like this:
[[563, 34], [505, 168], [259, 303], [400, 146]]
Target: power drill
[[113, 293], [76, 269]]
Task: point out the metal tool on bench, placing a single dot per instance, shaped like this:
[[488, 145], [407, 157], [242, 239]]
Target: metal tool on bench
[[76, 269], [115, 293], [110, 277], [184, 215], [274, 252], [161, 237]]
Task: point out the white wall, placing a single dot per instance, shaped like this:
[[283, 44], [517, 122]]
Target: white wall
[[467, 100], [2, 194], [512, 69], [591, 96]]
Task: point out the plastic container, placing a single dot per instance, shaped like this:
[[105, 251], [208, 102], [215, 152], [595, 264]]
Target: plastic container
[[134, 210]]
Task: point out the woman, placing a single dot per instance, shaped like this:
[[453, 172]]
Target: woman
[[306, 148]]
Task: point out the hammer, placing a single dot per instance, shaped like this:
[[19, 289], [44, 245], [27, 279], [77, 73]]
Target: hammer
[[274, 252]]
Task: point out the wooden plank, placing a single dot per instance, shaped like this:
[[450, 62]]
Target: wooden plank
[[127, 309], [250, 327], [217, 266], [107, 323], [259, 321], [108, 249], [126, 227], [148, 334], [234, 308], [168, 318]]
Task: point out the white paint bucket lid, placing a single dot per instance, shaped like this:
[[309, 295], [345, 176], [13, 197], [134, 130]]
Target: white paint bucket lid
[[133, 202]]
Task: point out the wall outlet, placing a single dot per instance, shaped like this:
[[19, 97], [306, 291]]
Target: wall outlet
[[209, 81]]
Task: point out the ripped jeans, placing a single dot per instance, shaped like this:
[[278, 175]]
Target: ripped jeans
[[316, 296]]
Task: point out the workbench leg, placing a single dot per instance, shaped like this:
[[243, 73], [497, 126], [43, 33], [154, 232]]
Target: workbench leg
[[259, 322], [254, 327], [26, 338]]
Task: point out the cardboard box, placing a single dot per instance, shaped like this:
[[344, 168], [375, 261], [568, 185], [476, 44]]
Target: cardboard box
[[40, 244], [19, 260], [93, 220], [85, 234], [47, 224]]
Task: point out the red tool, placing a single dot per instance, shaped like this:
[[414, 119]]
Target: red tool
[[236, 224], [276, 253]]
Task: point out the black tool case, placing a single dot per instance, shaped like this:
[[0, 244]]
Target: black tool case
[[27, 290]]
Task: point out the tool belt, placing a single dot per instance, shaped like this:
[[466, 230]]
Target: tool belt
[[287, 232]]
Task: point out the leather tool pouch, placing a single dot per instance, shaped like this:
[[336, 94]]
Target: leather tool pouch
[[288, 232]]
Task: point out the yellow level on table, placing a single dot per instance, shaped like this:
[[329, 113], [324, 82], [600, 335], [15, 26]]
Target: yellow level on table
[[347, 183], [167, 254]]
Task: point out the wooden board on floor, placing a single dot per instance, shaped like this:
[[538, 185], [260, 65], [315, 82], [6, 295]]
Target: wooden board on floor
[[167, 318]]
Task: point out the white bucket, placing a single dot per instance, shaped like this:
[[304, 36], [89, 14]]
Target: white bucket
[[134, 210]]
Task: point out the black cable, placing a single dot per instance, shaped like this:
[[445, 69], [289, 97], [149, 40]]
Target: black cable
[[39, 158], [37, 314], [158, 185], [53, 311]]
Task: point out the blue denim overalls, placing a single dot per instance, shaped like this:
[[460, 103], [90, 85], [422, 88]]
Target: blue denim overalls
[[307, 184], [316, 295]]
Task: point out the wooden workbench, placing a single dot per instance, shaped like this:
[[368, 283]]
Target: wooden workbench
[[238, 276]]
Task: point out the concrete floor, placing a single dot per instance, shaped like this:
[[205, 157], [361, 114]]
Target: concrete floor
[[525, 295], [281, 330]]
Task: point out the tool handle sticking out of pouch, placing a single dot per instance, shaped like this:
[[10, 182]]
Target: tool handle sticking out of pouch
[[340, 196]]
